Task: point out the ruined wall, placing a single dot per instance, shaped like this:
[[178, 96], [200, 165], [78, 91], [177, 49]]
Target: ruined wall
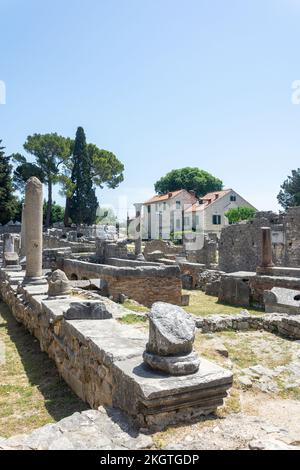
[[50, 241], [144, 284], [208, 254], [240, 244], [167, 248], [291, 224]]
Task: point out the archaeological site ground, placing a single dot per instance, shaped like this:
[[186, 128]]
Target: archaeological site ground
[[109, 343]]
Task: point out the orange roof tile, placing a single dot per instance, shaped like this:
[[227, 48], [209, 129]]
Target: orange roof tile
[[163, 197]]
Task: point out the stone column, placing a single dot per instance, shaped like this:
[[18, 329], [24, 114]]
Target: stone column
[[34, 231], [138, 237], [266, 258], [23, 232]]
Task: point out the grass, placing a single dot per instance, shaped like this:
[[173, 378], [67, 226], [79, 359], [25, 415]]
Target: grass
[[132, 318], [203, 305], [200, 305], [31, 392], [135, 307]]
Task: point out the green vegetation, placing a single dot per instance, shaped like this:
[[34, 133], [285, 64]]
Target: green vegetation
[[240, 213], [191, 179], [289, 195], [8, 202], [203, 305], [131, 318], [83, 203], [31, 391], [50, 152]]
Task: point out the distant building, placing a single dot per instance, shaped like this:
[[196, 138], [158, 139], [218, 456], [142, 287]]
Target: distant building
[[169, 214]]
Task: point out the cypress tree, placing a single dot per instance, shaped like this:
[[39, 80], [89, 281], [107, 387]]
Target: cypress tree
[[8, 201], [83, 203]]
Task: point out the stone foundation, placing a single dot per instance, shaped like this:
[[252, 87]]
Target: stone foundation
[[145, 284], [101, 360]]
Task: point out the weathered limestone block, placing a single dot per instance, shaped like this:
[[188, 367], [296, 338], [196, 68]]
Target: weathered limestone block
[[58, 284], [87, 311], [281, 300], [171, 338], [11, 261]]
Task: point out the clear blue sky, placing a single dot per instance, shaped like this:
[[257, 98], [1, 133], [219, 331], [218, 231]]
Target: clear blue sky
[[161, 83]]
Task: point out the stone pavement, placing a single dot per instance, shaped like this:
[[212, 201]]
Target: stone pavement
[[103, 429]]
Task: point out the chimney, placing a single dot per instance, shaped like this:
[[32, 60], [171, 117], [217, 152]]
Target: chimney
[[170, 195]]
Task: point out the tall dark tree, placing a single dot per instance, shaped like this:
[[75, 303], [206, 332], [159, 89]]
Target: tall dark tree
[[83, 203], [8, 202], [191, 179], [289, 194]]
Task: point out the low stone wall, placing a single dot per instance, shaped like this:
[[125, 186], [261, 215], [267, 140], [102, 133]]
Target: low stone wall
[[50, 241], [247, 288], [165, 247], [101, 360], [283, 324], [144, 284]]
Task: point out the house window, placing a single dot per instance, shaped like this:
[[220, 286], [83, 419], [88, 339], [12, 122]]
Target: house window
[[216, 220], [149, 209], [186, 221], [178, 224], [178, 204], [232, 198], [164, 206]]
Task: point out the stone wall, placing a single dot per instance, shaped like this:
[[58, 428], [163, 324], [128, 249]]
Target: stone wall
[[240, 244], [144, 284], [208, 254], [291, 224], [101, 360], [51, 241], [284, 325], [247, 289], [165, 247]]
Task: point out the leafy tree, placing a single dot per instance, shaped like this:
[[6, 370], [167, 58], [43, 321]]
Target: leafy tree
[[83, 203], [50, 152], [191, 179], [24, 171], [289, 195], [104, 168], [106, 215], [8, 202], [57, 212], [240, 213]]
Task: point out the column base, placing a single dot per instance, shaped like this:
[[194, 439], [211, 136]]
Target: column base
[[34, 281]]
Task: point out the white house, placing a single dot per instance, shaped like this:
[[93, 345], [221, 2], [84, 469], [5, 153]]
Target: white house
[[163, 214], [181, 210]]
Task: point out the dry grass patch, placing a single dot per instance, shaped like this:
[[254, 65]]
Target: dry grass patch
[[31, 391]]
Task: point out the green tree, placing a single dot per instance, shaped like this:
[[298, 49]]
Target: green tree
[[83, 203], [191, 179], [50, 152], [106, 215], [57, 212], [103, 168], [289, 195], [24, 171], [8, 202], [240, 213]]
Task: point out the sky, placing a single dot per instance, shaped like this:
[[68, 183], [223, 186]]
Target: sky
[[163, 84]]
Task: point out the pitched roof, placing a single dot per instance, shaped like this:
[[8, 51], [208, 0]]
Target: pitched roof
[[208, 199], [163, 197]]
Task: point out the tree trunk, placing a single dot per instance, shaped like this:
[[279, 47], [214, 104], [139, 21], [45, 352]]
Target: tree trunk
[[67, 213], [49, 205]]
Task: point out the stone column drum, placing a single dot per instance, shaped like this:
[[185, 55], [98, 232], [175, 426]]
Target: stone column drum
[[34, 231], [266, 260], [138, 237], [23, 233]]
